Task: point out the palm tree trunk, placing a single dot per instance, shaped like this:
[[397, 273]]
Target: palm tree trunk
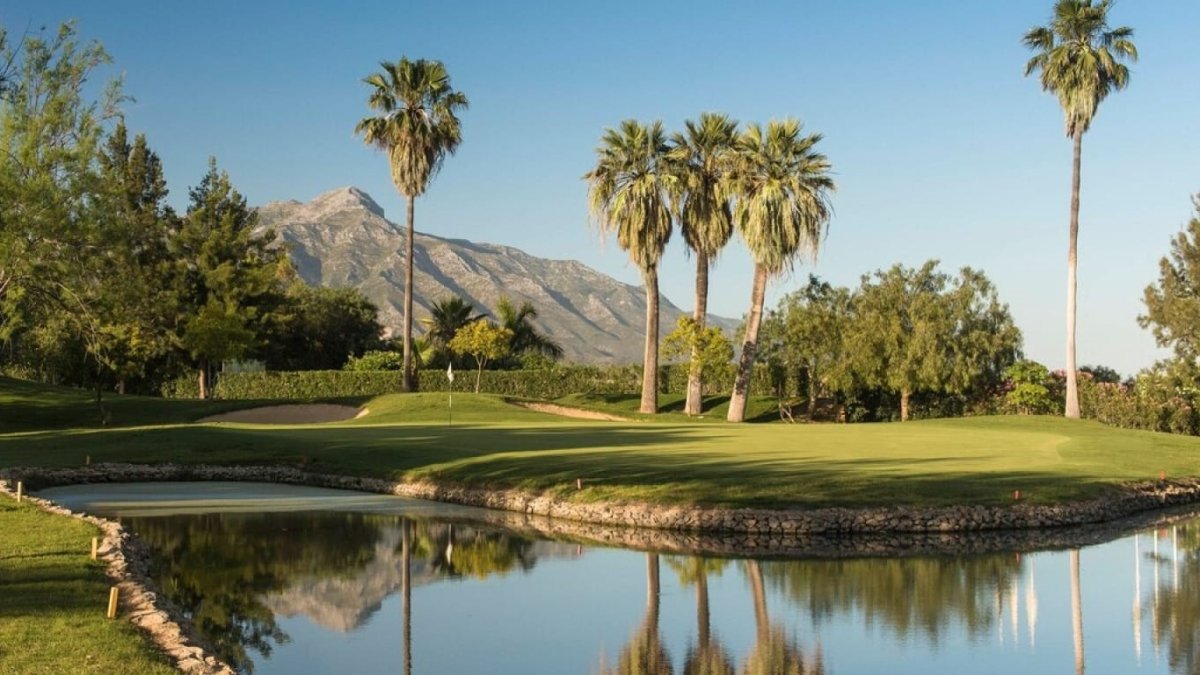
[[1072, 406], [695, 386], [703, 618], [650, 361], [741, 382], [1076, 613], [812, 392], [409, 379], [202, 378]]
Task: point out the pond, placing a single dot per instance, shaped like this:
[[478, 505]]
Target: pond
[[285, 579]]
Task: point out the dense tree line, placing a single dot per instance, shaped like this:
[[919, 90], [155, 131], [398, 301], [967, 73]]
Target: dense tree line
[[902, 332], [102, 283]]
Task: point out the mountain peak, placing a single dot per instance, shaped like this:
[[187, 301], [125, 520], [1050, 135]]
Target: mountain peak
[[347, 197]]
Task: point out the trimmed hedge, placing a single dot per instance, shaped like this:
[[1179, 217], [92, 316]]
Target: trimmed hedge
[[550, 383]]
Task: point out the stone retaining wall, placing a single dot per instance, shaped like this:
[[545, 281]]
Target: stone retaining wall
[[1121, 502]]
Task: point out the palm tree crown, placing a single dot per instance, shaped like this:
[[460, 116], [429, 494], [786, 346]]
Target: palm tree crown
[[783, 188], [1079, 58], [446, 317], [628, 190], [418, 123], [699, 158], [526, 338]]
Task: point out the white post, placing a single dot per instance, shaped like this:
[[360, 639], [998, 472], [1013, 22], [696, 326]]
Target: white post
[[450, 406]]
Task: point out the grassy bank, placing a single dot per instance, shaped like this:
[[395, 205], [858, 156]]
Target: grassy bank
[[52, 617], [494, 444]]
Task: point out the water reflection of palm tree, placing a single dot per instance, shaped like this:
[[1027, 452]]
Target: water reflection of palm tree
[[645, 654], [774, 653], [406, 592], [1175, 608], [708, 656], [1076, 612]]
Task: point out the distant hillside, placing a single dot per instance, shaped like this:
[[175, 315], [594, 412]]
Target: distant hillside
[[341, 238]]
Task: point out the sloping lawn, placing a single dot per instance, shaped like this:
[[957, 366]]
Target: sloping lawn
[[493, 443], [52, 617]]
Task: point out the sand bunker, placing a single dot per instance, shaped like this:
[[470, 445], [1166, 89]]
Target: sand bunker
[[308, 413], [564, 411]]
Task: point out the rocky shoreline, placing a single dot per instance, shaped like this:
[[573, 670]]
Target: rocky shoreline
[[826, 532], [1125, 501]]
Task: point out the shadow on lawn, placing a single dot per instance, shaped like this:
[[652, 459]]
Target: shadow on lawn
[[697, 479], [615, 461]]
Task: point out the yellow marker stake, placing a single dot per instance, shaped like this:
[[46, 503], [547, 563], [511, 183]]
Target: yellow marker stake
[[20, 490], [112, 603], [95, 547]]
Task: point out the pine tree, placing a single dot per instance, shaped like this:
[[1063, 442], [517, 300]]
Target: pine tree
[[228, 275]]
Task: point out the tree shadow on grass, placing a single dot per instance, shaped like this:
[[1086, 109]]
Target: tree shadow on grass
[[615, 460]]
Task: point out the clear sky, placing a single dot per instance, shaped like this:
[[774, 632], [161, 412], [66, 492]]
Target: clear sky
[[941, 148]]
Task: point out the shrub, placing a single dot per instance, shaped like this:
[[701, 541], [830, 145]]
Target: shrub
[[376, 361], [546, 383]]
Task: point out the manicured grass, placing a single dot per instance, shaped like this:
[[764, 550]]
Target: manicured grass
[[492, 443], [52, 614], [26, 406]]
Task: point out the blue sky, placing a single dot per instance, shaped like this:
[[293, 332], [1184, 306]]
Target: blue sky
[[941, 148]]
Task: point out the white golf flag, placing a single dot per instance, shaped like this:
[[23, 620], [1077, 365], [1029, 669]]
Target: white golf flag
[[450, 373]]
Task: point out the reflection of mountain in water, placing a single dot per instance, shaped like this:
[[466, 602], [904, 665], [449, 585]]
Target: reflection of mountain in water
[[344, 602], [232, 574]]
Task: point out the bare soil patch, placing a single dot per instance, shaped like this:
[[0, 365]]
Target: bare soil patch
[[305, 413]]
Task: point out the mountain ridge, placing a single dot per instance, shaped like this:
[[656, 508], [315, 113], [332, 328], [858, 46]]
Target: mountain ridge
[[343, 238]]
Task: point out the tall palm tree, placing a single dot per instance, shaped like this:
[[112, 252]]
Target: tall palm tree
[[702, 199], [418, 127], [628, 193], [1078, 58], [526, 338], [782, 209]]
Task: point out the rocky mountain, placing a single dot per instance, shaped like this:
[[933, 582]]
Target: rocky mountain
[[341, 238]]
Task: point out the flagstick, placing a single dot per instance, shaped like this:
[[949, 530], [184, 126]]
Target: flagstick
[[450, 406]]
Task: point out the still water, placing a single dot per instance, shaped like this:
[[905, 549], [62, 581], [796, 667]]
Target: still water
[[285, 579]]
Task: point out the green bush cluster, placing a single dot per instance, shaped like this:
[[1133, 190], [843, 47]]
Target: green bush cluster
[[1151, 403], [547, 383]]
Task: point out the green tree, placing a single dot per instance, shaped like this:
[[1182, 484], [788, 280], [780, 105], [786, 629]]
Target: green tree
[[783, 186], [50, 135], [527, 339], [321, 328], [700, 159], [129, 288], [920, 330], [1078, 59], [417, 126], [446, 317], [1173, 303], [628, 191], [228, 275], [814, 325], [706, 348], [483, 341], [1030, 393]]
